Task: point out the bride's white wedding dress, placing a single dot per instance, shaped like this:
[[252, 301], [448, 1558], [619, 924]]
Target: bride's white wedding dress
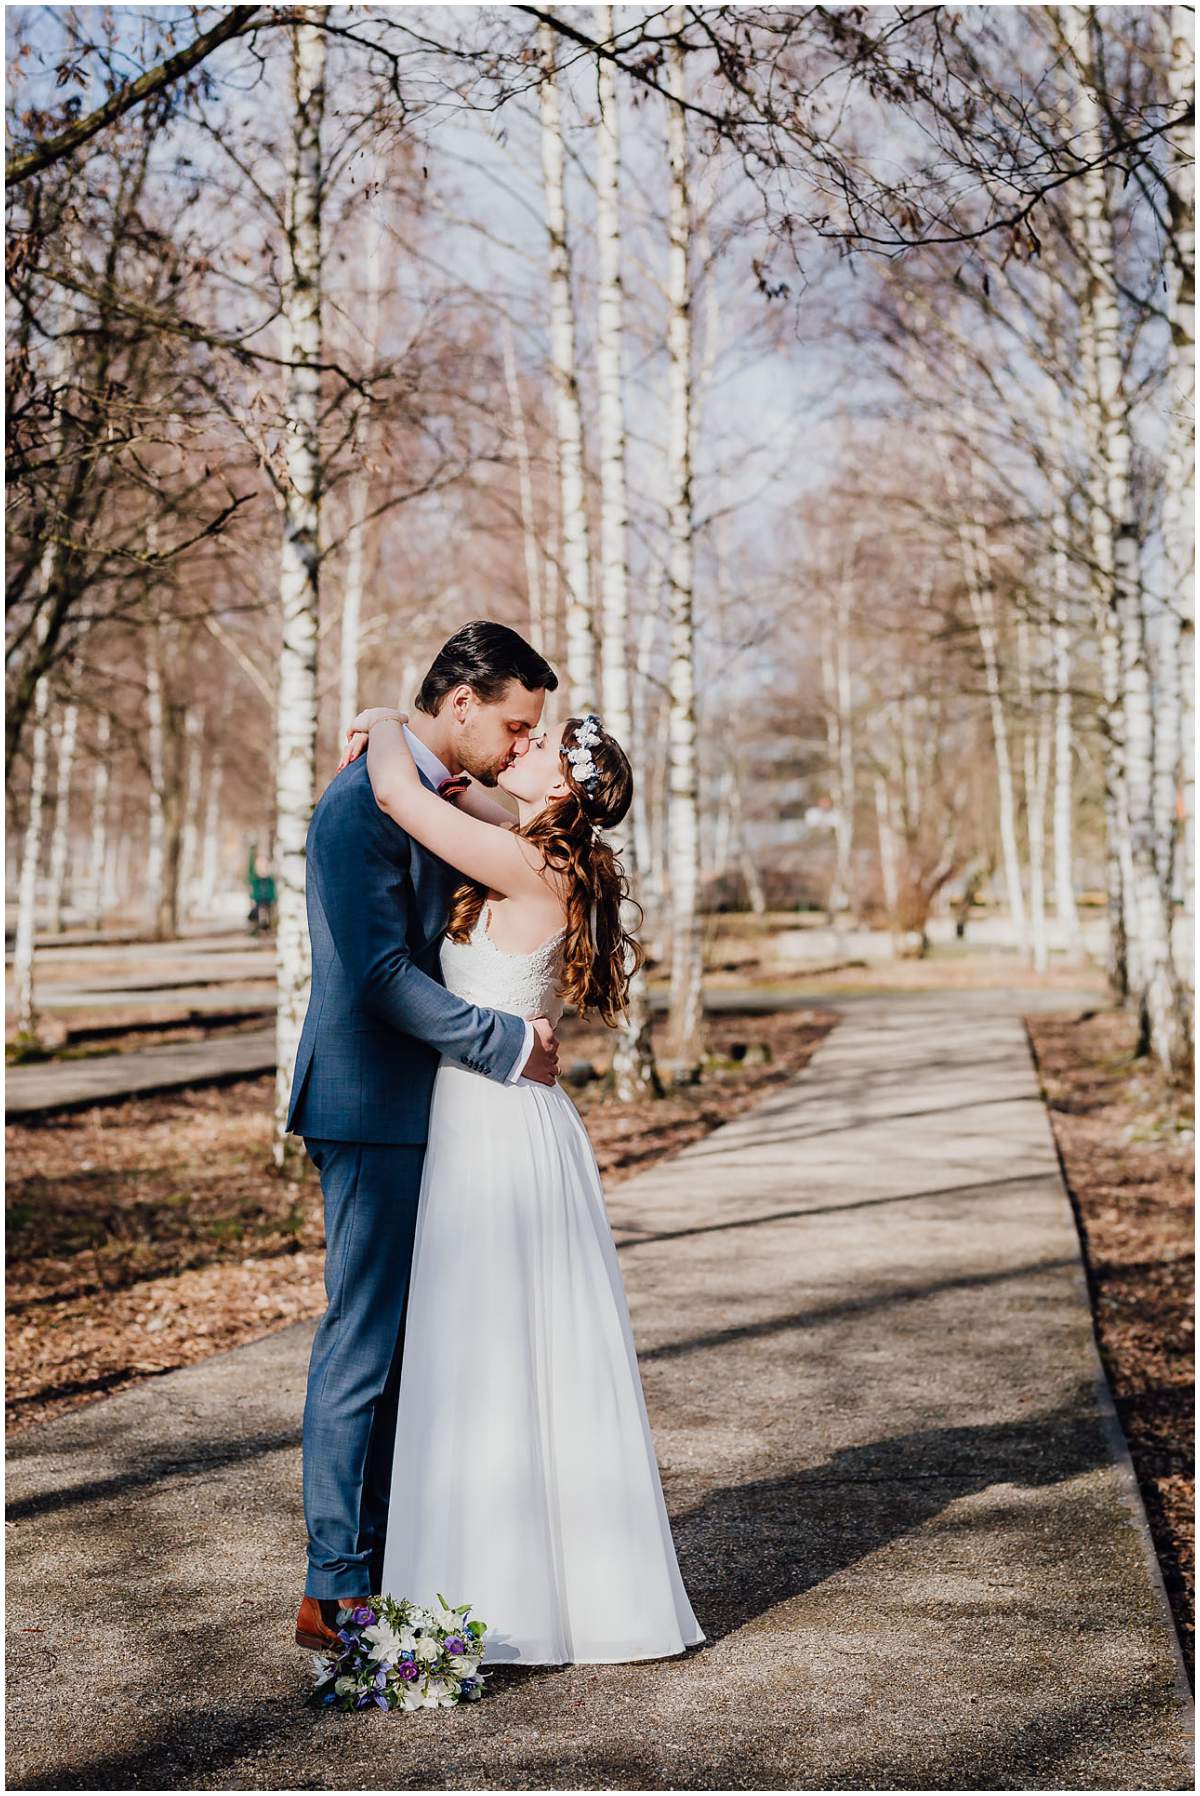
[[525, 1480]]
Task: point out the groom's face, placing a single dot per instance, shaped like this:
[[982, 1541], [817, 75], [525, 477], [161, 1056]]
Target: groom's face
[[490, 736]]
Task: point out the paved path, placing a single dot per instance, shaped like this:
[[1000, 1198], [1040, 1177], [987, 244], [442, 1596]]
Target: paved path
[[903, 1509], [67, 1084], [71, 1084]]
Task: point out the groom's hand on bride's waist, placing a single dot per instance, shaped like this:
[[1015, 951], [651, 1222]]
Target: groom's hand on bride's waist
[[542, 1065]]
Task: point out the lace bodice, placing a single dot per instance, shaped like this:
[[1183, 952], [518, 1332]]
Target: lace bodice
[[526, 985]]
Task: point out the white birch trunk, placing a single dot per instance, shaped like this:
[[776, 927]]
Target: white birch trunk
[[193, 724], [1168, 699], [634, 1073], [360, 490], [116, 871], [839, 729], [31, 845], [529, 534], [210, 861], [686, 1001], [1063, 805], [98, 849], [1118, 871], [1065, 908], [641, 757], [1037, 746], [888, 867], [1163, 1013], [582, 682], [1179, 499], [60, 833], [156, 832], [977, 572], [296, 725]]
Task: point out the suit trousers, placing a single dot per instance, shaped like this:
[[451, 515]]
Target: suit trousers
[[370, 1195]]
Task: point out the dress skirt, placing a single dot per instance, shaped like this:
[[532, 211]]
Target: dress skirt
[[525, 1480]]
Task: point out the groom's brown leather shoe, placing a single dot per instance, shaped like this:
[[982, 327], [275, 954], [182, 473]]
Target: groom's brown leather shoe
[[316, 1624]]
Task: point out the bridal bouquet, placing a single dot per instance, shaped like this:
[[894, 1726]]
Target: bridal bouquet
[[398, 1655]]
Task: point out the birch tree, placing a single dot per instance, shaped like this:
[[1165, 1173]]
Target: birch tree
[[582, 682], [156, 759], [98, 843], [529, 534], [1178, 507], [360, 487], [1063, 807], [296, 715], [193, 727], [977, 574], [211, 848], [1036, 746], [1158, 990], [60, 833], [686, 1001], [634, 1073], [31, 850], [839, 730]]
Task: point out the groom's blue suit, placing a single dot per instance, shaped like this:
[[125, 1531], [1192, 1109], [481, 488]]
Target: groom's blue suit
[[378, 1019]]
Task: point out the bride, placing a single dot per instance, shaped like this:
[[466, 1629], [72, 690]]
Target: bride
[[524, 1478]]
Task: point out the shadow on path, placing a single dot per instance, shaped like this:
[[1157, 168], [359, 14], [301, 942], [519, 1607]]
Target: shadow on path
[[744, 1550], [748, 1547], [151, 1471], [856, 1306], [984, 1188]]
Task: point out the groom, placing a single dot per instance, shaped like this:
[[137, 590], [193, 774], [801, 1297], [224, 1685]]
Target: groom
[[378, 1019]]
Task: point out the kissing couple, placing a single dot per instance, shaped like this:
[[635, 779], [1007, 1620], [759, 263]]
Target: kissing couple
[[474, 1423]]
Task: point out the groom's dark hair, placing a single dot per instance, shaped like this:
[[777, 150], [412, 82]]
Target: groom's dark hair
[[485, 657]]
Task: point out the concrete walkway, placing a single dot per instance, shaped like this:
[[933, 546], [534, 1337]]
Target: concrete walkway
[[68, 1084], [903, 1509]]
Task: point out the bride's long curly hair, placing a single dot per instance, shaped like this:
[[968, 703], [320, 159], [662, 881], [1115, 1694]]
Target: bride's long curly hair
[[596, 971]]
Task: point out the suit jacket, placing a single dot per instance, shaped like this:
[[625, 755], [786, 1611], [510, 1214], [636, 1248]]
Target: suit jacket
[[378, 1014]]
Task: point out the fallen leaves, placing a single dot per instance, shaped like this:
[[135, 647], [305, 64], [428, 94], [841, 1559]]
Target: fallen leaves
[[1127, 1143]]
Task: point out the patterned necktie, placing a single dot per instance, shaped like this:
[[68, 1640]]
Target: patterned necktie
[[452, 785]]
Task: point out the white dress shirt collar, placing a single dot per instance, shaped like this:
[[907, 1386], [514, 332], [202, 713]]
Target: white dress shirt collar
[[425, 758]]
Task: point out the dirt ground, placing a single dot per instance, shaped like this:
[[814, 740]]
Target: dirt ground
[[145, 1235], [1127, 1142]]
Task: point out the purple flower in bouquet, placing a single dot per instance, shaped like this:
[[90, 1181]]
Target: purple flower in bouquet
[[364, 1617], [408, 1670], [456, 1645]]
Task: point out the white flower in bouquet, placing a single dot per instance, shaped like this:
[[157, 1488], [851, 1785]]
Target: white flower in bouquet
[[407, 1639], [427, 1649], [344, 1686], [385, 1642]]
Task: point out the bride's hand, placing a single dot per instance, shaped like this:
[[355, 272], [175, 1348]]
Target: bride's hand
[[360, 729]]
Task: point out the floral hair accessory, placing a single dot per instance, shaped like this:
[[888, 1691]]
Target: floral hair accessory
[[587, 737]]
